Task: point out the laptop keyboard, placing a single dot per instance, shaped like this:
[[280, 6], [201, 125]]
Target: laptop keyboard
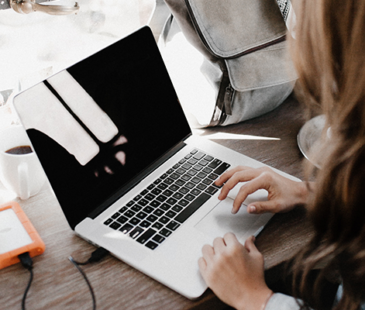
[[160, 209]]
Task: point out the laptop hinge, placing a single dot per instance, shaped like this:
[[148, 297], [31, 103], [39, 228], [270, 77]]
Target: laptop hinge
[[136, 180]]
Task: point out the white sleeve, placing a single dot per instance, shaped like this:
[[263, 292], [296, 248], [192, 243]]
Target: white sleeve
[[282, 302]]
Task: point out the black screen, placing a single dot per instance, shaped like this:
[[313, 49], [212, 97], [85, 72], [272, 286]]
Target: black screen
[[129, 82]]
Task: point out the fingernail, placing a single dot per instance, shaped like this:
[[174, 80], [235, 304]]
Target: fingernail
[[233, 211], [252, 209]]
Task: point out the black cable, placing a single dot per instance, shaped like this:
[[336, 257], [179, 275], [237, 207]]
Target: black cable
[[27, 263], [97, 255]]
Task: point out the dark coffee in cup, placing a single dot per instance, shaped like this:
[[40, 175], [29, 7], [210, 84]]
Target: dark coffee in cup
[[20, 150]]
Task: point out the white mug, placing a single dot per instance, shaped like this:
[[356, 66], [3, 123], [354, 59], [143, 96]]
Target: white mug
[[20, 173]]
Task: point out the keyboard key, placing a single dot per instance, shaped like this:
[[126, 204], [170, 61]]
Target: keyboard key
[[165, 206], [213, 176], [172, 225], [189, 185], [141, 215], [157, 181], [121, 210], [203, 162], [202, 187], [168, 181], [198, 167], [195, 192], [173, 188], [151, 245], [115, 215], [195, 205], [174, 176], [199, 155], [108, 221], [201, 175], [175, 166], [155, 204], [122, 219], [223, 167], [148, 209], [158, 238], [171, 201], [165, 232], [189, 197], [134, 221], [192, 161], [186, 166], [177, 196], [150, 197], [170, 214], [168, 193], [146, 235], [195, 180], [158, 212], [179, 182], [129, 213], [215, 163], [126, 228], [136, 232], [152, 218], [164, 220], [145, 224], [136, 208], [181, 161], [143, 202], [164, 176], [115, 225], [208, 158], [177, 209], [156, 191], [183, 190], [207, 181], [207, 170], [192, 172], [138, 197], [131, 203], [185, 177], [144, 192], [183, 202], [161, 198], [211, 190], [151, 186], [194, 151], [188, 156], [180, 171], [162, 186], [157, 225]]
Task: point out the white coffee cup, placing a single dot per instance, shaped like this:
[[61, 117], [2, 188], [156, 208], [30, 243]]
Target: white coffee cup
[[20, 173]]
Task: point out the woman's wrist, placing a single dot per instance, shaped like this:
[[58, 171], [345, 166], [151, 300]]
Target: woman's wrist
[[255, 300]]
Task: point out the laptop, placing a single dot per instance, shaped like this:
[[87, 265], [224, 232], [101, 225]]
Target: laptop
[[125, 167]]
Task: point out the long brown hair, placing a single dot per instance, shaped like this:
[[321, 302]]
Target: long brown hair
[[329, 55]]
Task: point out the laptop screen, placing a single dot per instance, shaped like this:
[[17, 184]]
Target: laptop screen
[[98, 124]]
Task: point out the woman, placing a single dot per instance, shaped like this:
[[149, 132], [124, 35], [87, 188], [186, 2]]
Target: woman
[[329, 54]]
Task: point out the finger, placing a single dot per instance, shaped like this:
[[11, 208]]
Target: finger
[[202, 265], [219, 245], [248, 189], [239, 176], [230, 239], [250, 245], [208, 253], [225, 176], [259, 207]]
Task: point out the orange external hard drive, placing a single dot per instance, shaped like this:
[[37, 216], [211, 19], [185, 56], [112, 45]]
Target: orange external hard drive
[[17, 235]]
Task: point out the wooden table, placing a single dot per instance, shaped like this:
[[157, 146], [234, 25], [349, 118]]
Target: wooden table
[[58, 285]]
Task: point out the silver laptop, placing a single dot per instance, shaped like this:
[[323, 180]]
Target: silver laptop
[[128, 174]]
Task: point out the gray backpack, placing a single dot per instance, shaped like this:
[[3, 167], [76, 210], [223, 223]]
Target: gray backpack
[[245, 54]]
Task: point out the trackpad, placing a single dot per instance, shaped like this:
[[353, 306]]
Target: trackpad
[[220, 220]]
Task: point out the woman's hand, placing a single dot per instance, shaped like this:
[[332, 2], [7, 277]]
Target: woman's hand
[[283, 193], [235, 273]]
